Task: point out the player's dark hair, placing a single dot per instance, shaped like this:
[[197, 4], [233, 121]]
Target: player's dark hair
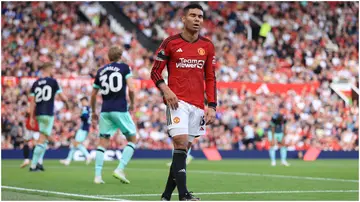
[[193, 6], [84, 98], [114, 54]]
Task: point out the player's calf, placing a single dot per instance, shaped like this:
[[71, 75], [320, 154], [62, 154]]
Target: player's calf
[[99, 159], [179, 163], [26, 152], [125, 159], [39, 150]]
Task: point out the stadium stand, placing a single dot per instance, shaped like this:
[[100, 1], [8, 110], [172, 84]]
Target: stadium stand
[[309, 45]]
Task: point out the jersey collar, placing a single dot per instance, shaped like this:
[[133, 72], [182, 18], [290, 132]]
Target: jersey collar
[[189, 41]]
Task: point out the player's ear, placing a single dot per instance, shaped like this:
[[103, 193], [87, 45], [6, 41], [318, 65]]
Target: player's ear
[[183, 19]]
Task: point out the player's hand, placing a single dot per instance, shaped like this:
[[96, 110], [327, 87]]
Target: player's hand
[[273, 142], [171, 99], [32, 122], [210, 115], [94, 118], [67, 106]]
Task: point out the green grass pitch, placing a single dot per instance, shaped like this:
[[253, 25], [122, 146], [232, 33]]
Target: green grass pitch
[[241, 180]]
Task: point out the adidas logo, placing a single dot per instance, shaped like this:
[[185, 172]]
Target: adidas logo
[[182, 170], [179, 50]]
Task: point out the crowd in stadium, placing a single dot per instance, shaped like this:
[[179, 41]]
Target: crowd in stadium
[[301, 47], [318, 44]]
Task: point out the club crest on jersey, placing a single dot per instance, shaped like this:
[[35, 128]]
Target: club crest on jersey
[[176, 120], [201, 51]]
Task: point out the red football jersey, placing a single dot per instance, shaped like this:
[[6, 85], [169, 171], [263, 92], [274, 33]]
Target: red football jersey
[[186, 64], [35, 127]]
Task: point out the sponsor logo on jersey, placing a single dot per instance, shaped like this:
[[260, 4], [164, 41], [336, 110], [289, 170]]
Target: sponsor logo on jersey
[[190, 63], [201, 51], [176, 120]]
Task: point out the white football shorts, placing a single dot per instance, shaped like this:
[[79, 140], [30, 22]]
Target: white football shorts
[[187, 119]]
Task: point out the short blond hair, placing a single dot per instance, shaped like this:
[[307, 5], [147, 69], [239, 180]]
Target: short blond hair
[[47, 65], [114, 54]]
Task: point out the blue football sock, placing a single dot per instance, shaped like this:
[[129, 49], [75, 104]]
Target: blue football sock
[[283, 153], [99, 160], [272, 154], [71, 153], [83, 150], [126, 155], [38, 151]]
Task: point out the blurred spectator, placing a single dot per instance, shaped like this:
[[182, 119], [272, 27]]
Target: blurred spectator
[[308, 41]]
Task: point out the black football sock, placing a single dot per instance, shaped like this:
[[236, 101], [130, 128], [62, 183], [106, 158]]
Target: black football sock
[[26, 151], [179, 171], [170, 184]]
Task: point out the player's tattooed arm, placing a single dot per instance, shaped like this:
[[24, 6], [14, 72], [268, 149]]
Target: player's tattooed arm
[[32, 110], [94, 93], [283, 140], [64, 99], [273, 134], [131, 85]]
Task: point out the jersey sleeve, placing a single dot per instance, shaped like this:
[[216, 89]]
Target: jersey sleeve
[[161, 59], [96, 81], [210, 78], [32, 90], [272, 122], [57, 88]]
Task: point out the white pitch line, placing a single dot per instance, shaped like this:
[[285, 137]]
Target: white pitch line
[[231, 173], [62, 193], [275, 176], [261, 175], [238, 193]]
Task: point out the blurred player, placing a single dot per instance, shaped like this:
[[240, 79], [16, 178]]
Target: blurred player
[[42, 98], [188, 56], [81, 134], [277, 136], [112, 80]]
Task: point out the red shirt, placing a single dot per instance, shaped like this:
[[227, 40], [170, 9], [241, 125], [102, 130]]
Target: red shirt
[[186, 64]]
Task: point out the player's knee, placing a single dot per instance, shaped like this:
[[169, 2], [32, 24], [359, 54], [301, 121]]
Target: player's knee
[[104, 142], [42, 139], [181, 142], [131, 138]]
